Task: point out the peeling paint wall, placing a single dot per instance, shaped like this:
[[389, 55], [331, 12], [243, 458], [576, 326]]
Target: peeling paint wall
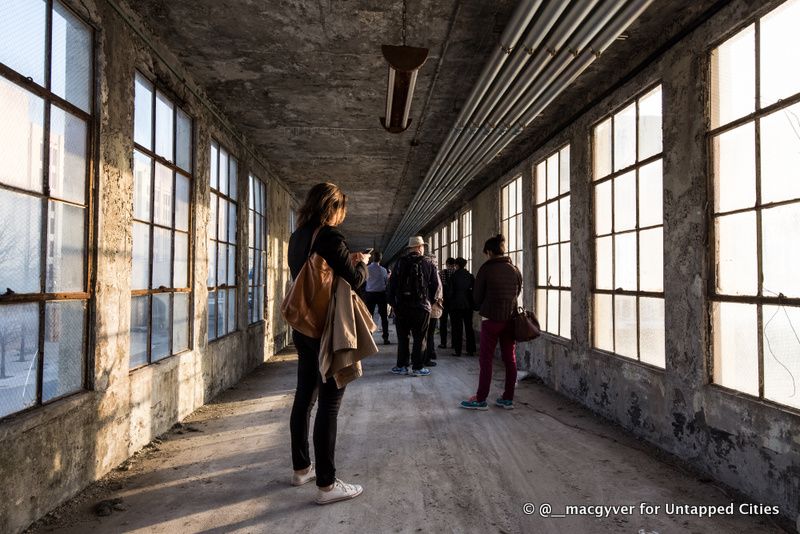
[[281, 204], [746, 443], [54, 451]]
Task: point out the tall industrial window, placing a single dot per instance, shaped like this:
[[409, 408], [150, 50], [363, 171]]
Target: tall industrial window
[[466, 238], [46, 77], [222, 263], [256, 253], [435, 252], [511, 219], [628, 224], [755, 147], [553, 243], [444, 242], [454, 242], [162, 171]]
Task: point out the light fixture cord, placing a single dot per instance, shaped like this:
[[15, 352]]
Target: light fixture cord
[[405, 6]]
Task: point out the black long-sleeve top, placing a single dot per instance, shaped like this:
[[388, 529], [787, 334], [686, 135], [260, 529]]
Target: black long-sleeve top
[[331, 245]]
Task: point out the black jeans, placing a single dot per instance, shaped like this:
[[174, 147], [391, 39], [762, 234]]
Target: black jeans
[[461, 320], [309, 387], [443, 326], [430, 352], [414, 322], [378, 298]]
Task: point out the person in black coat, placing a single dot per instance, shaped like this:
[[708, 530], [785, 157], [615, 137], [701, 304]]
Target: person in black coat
[[460, 299], [324, 209]]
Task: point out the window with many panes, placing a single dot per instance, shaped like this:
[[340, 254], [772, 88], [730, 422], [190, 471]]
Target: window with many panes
[[553, 243], [222, 264], [466, 238], [755, 149], [256, 249], [444, 242], [454, 242], [628, 229], [435, 252], [511, 219], [46, 78], [161, 280]]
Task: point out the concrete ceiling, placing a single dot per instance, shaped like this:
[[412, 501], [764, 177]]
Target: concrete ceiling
[[305, 81]]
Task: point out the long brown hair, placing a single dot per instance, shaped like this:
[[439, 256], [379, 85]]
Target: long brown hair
[[325, 204]]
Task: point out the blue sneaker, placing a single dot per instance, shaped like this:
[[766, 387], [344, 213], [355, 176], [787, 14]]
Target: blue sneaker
[[474, 405], [421, 372], [503, 403], [399, 370]]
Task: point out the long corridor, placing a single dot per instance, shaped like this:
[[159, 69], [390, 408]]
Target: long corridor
[[425, 464]]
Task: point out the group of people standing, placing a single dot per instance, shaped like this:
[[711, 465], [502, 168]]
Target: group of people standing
[[417, 293]]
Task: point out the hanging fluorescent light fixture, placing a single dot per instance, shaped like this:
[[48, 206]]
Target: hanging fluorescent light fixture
[[404, 64]]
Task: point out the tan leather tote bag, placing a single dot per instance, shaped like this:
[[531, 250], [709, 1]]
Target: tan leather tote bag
[[305, 305]]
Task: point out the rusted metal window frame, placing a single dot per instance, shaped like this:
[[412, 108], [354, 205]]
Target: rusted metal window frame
[[173, 167], [512, 253], [759, 300], [444, 245], [634, 167], [465, 222], [215, 193], [435, 248], [258, 218], [546, 246], [455, 242], [41, 297]]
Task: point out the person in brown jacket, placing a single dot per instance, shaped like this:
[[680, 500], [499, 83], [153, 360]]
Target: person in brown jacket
[[497, 288]]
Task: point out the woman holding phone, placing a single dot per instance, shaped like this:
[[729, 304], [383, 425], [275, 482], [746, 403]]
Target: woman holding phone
[[324, 209]]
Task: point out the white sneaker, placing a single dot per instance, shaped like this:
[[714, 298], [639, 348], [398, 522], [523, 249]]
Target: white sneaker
[[340, 492], [299, 480]]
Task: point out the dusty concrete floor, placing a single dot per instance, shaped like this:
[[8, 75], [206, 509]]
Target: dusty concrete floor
[[426, 465]]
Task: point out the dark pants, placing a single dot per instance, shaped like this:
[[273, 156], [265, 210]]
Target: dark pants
[[378, 298], [443, 326], [461, 321], [430, 351], [309, 387], [491, 333], [414, 322]]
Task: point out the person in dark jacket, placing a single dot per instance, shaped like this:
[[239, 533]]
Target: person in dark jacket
[[324, 209], [497, 288], [411, 291], [450, 268], [461, 286]]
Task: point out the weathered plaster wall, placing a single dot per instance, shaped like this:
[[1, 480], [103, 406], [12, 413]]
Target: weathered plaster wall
[[281, 204], [746, 443], [52, 452]]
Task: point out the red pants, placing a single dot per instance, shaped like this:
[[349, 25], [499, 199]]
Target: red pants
[[491, 332]]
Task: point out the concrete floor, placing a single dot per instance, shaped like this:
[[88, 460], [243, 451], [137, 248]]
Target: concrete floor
[[426, 465]]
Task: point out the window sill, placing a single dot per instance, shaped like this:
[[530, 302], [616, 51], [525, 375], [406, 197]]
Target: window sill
[[721, 390], [260, 322], [648, 366], [13, 425], [553, 338], [220, 338], [162, 360]]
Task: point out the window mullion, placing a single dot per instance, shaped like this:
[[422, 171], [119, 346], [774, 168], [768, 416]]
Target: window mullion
[[758, 211]]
